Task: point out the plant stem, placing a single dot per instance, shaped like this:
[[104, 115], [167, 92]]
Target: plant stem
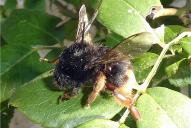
[[154, 70], [162, 54], [124, 116]]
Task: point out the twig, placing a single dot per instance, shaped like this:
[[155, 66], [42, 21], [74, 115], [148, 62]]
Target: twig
[[153, 71], [157, 63], [124, 116]]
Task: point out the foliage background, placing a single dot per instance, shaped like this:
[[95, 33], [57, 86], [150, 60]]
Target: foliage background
[[26, 83]]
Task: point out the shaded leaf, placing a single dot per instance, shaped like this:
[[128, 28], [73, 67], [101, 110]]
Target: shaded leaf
[[100, 123], [123, 126], [6, 114], [142, 65], [130, 122], [164, 108], [112, 39], [30, 27], [22, 71], [36, 5], [186, 44], [38, 101], [74, 2], [172, 31], [167, 68], [19, 63], [172, 69], [182, 74]]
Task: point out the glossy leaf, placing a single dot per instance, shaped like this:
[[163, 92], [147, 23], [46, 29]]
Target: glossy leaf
[[126, 17], [38, 101], [164, 108]]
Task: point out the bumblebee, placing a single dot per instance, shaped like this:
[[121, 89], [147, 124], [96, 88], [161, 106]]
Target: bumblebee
[[83, 61]]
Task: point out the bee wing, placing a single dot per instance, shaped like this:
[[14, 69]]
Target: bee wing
[[112, 56], [82, 34], [128, 49], [136, 44]]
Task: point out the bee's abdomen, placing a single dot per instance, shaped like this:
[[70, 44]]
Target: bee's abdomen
[[117, 73], [71, 70]]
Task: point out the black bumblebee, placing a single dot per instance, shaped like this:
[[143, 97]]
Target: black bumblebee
[[107, 68]]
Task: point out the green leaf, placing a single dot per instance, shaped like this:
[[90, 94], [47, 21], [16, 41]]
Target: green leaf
[[30, 27], [130, 122], [123, 126], [36, 5], [164, 108], [38, 101], [100, 123], [22, 71], [121, 16], [112, 39], [74, 2], [6, 114], [182, 74], [172, 69], [171, 31], [167, 68], [6, 10], [186, 44], [142, 65], [19, 63]]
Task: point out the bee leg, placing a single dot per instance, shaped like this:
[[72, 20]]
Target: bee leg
[[98, 86], [63, 97], [54, 61], [68, 95], [135, 113], [128, 102]]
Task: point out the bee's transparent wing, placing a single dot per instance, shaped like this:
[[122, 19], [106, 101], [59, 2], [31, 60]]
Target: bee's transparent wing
[[137, 44], [82, 34], [130, 48]]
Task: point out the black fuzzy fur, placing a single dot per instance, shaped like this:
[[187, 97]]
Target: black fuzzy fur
[[74, 67], [71, 70], [116, 75]]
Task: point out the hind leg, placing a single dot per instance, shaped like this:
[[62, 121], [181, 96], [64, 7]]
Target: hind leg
[[98, 86]]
